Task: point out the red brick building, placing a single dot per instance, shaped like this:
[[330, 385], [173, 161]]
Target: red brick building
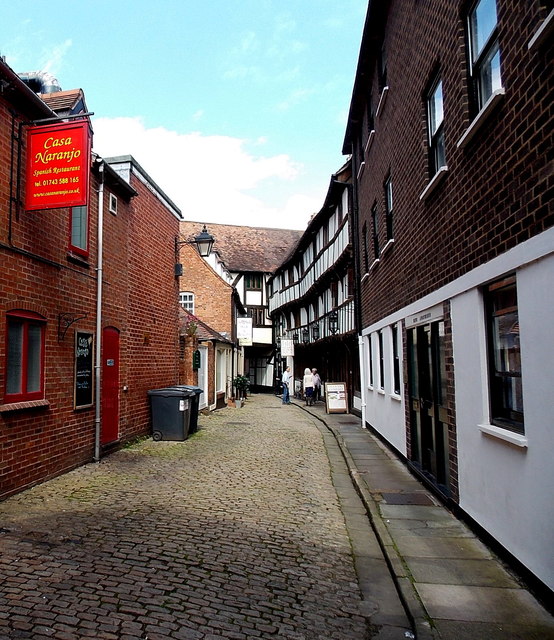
[[62, 401], [450, 131]]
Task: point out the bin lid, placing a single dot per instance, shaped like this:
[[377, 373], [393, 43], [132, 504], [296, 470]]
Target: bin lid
[[191, 387], [168, 392]]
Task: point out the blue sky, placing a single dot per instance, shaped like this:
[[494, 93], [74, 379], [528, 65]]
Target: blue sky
[[236, 108]]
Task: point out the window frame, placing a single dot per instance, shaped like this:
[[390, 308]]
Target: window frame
[[482, 54], [501, 413], [75, 248], [183, 302], [27, 319], [389, 207], [375, 230], [435, 129], [252, 280]]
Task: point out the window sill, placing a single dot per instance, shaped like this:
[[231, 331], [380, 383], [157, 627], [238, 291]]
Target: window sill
[[543, 33], [77, 259], [489, 106], [381, 392], [361, 170], [369, 140], [395, 396], [434, 183], [388, 246], [382, 101], [374, 264], [365, 277], [20, 406], [503, 434]]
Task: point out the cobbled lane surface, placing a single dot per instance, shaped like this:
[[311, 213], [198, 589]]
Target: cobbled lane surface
[[235, 533]]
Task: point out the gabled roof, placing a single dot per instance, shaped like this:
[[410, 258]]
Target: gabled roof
[[65, 103], [203, 331], [248, 248]]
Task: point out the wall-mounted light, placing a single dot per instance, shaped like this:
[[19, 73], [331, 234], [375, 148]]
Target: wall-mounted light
[[333, 320], [315, 332], [295, 338], [305, 335], [204, 242]]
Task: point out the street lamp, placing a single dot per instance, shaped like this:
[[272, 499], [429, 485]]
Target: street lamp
[[315, 332], [305, 335], [333, 320], [204, 242]]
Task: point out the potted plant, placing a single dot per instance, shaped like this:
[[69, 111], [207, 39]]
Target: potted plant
[[241, 384]]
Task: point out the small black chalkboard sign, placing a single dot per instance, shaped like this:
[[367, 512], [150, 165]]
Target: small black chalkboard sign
[[84, 370]]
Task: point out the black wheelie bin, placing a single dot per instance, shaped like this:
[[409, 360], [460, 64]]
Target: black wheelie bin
[[170, 410]]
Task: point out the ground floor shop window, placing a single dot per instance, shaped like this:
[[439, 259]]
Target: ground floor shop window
[[505, 385], [24, 356]]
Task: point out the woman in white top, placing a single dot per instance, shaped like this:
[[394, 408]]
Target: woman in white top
[[308, 386]]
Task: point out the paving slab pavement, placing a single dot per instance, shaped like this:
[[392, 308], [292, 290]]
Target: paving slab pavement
[[453, 586], [250, 529]]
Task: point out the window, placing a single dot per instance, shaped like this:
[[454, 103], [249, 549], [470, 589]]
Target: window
[[484, 50], [381, 361], [25, 356], [113, 203], [186, 300], [396, 361], [365, 248], [505, 387], [370, 360], [388, 207], [435, 115], [253, 281], [374, 222], [382, 68], [79, 230], [370, 115], [258, 316]]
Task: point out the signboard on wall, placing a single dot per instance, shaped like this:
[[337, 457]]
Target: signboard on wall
[[58, 165], [84, 370], [244, 331], [336, 397], [287, 347]]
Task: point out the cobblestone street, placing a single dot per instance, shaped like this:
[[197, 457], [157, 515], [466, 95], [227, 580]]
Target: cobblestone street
[[236, 533]]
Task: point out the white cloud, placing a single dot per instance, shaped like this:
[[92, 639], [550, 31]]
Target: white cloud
[[53, 59], [210, 178]]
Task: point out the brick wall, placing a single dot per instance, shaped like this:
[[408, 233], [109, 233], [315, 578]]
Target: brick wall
[[497, 192], [212, 295], [140, 297]]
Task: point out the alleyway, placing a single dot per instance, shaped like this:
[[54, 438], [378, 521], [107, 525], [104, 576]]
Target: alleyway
[[236, 533]]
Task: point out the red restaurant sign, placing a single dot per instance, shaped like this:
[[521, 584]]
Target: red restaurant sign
[[58, 165]]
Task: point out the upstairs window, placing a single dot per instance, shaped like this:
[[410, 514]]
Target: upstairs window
[[382, 67], [388, 207], [25, 341], [505, 384], [79, 230], [435, 117], [370, 115], [375, 223], [365, 248], [484, 50], [253, 281], [186, 300]]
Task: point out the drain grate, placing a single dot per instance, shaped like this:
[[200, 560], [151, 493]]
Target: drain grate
[[408, 498]]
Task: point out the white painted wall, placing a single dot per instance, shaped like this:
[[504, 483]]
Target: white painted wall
[[506, 488], [384, 410]]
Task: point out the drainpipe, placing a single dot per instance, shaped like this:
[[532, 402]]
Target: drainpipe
[[99, 277], [362, 378]]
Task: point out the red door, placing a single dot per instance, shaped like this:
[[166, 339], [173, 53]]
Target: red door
[[110, 385]]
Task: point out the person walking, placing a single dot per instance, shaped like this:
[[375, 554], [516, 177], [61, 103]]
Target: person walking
[[317, 385], [308, 386], [287, 377]]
